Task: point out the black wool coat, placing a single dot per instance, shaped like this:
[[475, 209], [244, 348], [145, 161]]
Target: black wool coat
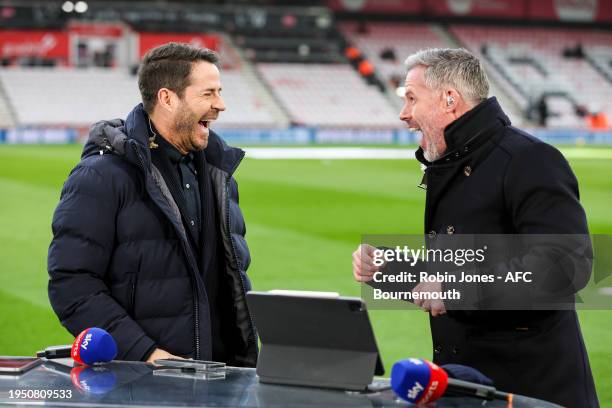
[[122, 260], [497, 179]]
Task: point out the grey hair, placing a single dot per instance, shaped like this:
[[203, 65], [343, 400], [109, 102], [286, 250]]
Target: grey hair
[[452, 67]]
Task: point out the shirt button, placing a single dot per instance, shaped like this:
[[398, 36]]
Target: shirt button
[[187, 185], [192, 223]]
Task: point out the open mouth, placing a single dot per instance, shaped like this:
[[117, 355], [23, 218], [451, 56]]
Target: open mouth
[[413, 127], [204, 123]]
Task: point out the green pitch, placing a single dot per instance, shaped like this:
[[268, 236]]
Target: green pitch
[[304, 219]]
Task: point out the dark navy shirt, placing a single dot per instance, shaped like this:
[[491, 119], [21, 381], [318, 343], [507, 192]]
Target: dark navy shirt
[[188, 179]]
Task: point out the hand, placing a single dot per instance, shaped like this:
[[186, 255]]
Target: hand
[[159, 354], [434, 306], [363, 263]]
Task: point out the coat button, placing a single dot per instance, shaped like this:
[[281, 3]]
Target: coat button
[[450, 230], [438, 349], [455, 350], [431, 234], [467, 170]]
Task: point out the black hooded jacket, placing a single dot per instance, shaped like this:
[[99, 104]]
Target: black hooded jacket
[[121, 259]]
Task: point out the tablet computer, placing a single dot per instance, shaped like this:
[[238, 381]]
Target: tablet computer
[[314, 340], [17, 365], [196, 365]]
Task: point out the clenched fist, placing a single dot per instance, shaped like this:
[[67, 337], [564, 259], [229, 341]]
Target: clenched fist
[[363, 263]]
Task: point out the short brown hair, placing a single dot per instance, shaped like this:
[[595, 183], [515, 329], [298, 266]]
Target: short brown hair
[[169, 66]]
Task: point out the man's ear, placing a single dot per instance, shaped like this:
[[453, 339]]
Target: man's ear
[[451, 99], [166, 99]]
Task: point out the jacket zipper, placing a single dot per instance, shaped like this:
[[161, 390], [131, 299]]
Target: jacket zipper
[[132, 305], [251, 338], [196, 298]]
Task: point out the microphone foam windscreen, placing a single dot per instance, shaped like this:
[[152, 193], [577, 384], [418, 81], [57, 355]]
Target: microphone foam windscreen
[[93, 345], [418, 381]]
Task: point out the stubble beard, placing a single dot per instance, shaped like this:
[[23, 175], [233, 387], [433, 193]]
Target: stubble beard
[[185, 128], [434, 136], [432, 151]]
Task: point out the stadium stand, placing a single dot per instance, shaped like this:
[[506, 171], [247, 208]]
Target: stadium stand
[[328, 95], [62, 96], [398, 40], [6, 114], [67, 96], [532, 62], [388, 45], [600, 56], [297, 71]]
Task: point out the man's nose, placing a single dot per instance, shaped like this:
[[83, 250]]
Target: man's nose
[[405, 114], [219, 104]]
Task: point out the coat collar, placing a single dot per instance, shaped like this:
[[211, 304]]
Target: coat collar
[[112, 135], [469, 130]]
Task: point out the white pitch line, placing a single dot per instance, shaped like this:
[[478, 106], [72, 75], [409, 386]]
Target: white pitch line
[[606, 291], [586, 153], [361, 153], [327, 153]]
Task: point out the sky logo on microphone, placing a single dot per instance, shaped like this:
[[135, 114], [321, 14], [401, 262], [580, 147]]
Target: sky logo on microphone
[[86, 341], [415, 391], [93, 345]]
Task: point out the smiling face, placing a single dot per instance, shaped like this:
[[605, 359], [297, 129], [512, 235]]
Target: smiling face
[[424, 110], [200, 104]]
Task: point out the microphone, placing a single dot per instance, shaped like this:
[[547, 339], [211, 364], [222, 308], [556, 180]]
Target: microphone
[[420, 381], [92, 345], [55, 352]]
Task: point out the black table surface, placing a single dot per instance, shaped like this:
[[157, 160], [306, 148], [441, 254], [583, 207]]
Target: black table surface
[[138, 384]]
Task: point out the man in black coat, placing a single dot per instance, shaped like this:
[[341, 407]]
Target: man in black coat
[[148, 238], [484, 176]]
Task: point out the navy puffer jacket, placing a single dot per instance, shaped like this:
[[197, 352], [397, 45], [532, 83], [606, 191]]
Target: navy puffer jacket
[[120, 258]]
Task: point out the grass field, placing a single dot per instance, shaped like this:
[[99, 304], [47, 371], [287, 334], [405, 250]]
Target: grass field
[[304, 218]]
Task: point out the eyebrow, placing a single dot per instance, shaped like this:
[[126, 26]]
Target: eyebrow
[[212, 89]]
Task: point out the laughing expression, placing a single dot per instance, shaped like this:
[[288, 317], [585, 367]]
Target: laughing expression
[[200, 105]]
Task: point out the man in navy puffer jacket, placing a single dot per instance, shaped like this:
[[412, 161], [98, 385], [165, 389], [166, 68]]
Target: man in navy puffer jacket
[[148, 238]]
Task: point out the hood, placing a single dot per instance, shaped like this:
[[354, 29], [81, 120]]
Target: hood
[[113, 136]]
